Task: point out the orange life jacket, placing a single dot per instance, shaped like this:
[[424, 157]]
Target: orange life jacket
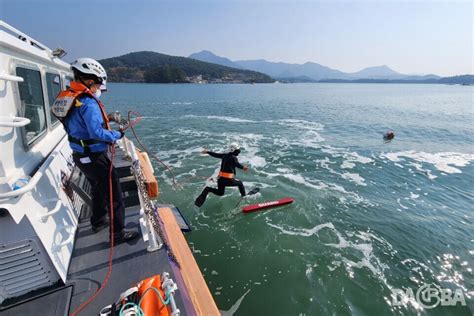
[[66, 99]]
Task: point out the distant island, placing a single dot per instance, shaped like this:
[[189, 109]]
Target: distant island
[[205, 67], [462, 80], [152, 67], [313, 72]]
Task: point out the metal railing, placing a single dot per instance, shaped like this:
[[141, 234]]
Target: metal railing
[[14, 121], [23, 37], [33, 181], [155, 242], [8, 77]]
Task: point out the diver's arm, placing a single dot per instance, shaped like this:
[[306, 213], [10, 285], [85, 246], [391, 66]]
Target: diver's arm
[[215, 155], [239, 165]]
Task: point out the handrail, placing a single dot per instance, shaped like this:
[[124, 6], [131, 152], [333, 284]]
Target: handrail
[[8, 77], [44, 217], [32, 184], [65, 242], [14, 121], [23, 37]]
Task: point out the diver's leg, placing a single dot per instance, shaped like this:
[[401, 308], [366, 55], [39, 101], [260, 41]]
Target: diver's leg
[[221, 184], [237, 183], [202, 197], [241, 187]]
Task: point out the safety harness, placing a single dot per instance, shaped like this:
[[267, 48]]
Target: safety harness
[[227, 175], [64, 103]]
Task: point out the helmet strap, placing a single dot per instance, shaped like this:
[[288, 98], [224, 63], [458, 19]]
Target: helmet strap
[[84, 83]]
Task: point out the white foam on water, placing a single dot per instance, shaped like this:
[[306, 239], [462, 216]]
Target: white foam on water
[[302, 180], [414, 196], [190, 132], [235, 307], [183, 103], [444, 161], [230, 119], [349, 156], [318, 185], [368, 260], [176, 164], [178, 153], [284, 170], [308, 137], [350, 159], [301, 124], [302, 231], [419, 168], [255, 161], [347, 165], [354, 177], [261, 185], [222, 118], [401, 205], [335, 265], [356, 198]]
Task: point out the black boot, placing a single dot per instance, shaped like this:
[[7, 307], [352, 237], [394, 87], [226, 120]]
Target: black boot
[[200, 200], [124, 236]]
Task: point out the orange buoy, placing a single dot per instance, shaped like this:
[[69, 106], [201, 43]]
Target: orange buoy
[[151, 304]]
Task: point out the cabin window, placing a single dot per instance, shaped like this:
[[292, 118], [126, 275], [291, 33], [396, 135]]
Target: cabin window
[[32, 102], [53, 83]]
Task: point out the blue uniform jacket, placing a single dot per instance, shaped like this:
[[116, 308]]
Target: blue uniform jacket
[[85, 122]]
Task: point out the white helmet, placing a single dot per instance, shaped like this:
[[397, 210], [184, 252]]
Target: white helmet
[[233, 147], [92, 67]]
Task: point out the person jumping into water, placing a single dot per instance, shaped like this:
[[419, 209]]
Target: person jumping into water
[[226, 174]]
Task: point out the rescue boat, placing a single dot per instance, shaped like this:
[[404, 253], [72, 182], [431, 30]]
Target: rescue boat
[[51, 261]]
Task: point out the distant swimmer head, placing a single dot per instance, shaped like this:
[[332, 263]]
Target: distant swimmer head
[[90, 70], [389, 135], [234, 148]]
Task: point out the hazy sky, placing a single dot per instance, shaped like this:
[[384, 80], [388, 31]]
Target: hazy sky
[[419, 37]]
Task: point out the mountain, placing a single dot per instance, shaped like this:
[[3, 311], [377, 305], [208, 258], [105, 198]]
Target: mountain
[[377, 72], [146, 66], [266, 67], [209, 57], [309, 71], [314, 71]]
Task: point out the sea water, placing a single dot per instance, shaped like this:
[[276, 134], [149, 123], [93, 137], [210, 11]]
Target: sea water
[[370, 218]]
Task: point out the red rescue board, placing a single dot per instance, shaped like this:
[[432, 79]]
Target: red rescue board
[[264, 205]]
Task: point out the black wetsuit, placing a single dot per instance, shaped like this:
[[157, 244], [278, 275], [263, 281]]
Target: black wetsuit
[[228, 165]]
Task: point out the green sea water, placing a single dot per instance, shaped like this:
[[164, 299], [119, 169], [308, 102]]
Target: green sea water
[[369, 217]]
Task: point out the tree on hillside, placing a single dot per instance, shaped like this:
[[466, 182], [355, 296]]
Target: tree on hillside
[[164, 74]]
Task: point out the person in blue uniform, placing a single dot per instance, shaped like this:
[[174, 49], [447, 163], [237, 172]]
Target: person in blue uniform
[[89, 135]]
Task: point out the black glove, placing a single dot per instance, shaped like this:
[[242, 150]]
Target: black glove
[[115, 117], [121, 133]]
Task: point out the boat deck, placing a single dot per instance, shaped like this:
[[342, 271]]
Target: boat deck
[[89, 264], [131, 264]]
